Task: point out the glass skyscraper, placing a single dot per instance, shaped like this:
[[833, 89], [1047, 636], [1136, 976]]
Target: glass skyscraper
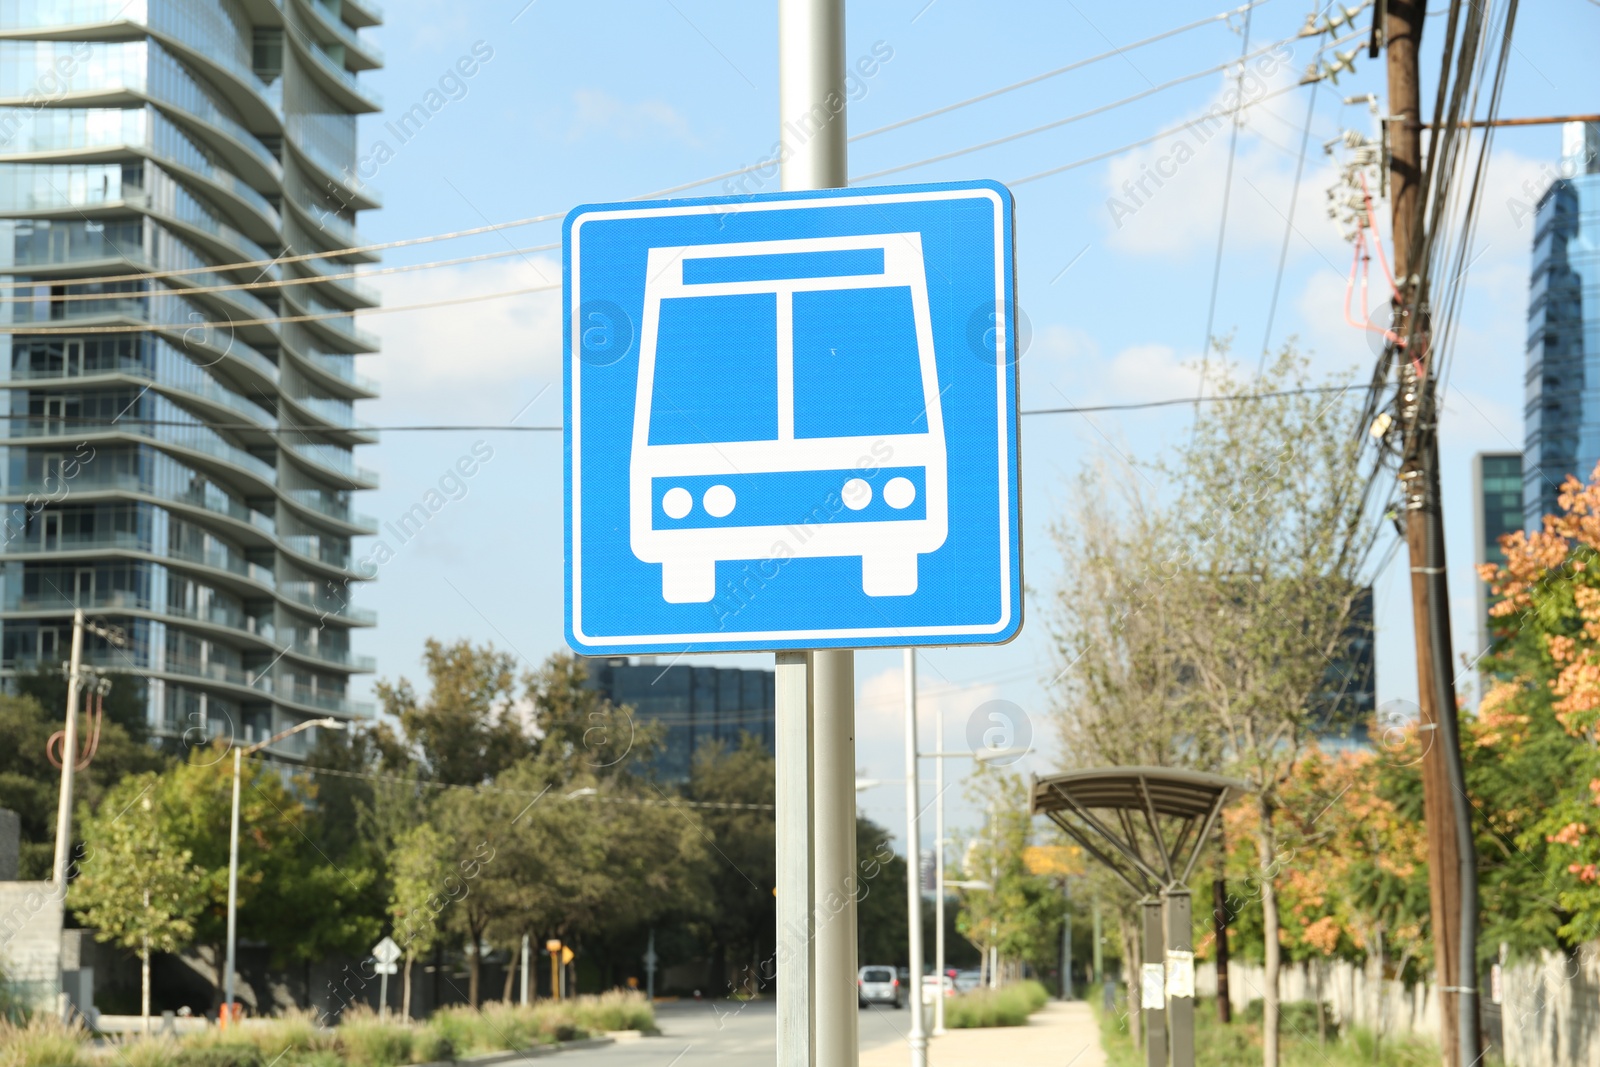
[[692, 705], [1563, 377], [1497, 511], [178, 455]]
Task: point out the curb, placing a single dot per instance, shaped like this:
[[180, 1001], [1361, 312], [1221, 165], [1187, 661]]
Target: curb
[[488, 1059]]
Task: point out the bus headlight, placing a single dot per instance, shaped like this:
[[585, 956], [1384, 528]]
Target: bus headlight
[[857, 494], [677, 502], [900, 493], [719, 501]]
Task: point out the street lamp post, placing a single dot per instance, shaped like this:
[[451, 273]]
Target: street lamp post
[[233, 848], [939, 883]]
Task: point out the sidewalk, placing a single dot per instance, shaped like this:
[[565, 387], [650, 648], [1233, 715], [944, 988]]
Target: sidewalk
[[1059, 1034]]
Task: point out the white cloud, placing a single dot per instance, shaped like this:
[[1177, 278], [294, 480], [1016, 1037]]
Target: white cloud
[[600, 112], [1166, 197], [479, 361]]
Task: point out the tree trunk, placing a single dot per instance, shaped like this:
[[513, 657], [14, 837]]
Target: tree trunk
[[1272, 951], [511, 971], [144, 985], [405, 988], [474, 964], [1219, 917]]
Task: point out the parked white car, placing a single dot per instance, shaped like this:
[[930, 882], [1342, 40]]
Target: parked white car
[[933, 983]]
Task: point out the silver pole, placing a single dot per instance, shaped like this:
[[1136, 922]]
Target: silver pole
[[233, 892], [918, 1039], [938, 869], [834, 771], [817, 1026], [795, 962], [69, 759], [525, 948]]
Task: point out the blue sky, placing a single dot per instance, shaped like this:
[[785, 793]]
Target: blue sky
[[588, 102]]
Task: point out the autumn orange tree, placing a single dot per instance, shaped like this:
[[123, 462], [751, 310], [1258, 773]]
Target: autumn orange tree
[[1532, 757]]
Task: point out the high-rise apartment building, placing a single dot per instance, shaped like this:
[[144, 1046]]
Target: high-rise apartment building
[[178, 454], [1563, 376]]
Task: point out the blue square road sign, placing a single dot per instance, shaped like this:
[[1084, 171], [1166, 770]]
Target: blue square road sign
[[791, 421]]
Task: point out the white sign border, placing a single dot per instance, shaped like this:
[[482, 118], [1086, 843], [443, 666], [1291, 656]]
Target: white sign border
[[788, 640]]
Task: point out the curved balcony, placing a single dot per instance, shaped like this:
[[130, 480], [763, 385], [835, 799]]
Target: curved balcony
[[199, 32], [305, 595], [195, 441], [166, 312], [361, 53], [208, 499], [340, 368], [171, 373], [341, 84], [329, 553], [350, 187], [225, 563], [336, 421], [363, 13], [315, 502], [330, 461], [336, 327], [223, 620]]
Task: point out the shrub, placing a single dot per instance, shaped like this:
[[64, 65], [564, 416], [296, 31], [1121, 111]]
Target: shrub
[[141, 1051], [1294, 1016], [220, 1055], [1007, 1006], [366, 1042], [617, 1010], [43, 1041]]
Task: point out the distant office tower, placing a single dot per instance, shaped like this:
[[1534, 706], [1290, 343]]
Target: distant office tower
[[1563, 378], [178, 455], [1497, 511], [1340, 714], [693, 705]]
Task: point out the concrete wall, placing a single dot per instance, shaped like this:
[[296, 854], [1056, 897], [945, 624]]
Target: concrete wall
[[1547, 1013], [30, 941]]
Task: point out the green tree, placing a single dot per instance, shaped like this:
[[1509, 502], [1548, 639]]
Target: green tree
[[30, 786], [423, 878], [291, 897], [1273, 531], [745, 860], [1020, 914], [467, 729], [136, 888]]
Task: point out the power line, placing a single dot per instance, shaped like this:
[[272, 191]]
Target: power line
[[1288, 227], [1222, 226], [1221, 16], [1057, 123], [275, 283], [86, 420], [228, 324], [1170, 131]]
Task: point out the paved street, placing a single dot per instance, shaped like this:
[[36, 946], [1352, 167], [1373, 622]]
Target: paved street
[[724, 1035]]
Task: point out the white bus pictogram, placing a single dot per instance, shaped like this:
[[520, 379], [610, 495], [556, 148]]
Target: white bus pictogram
[[821, 430]]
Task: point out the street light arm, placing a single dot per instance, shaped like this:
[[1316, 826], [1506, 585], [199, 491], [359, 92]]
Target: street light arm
[[326, 724]]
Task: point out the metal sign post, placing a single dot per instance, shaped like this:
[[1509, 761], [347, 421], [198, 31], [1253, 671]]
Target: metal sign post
[[792, 428], [811, 76], [918, 1038]]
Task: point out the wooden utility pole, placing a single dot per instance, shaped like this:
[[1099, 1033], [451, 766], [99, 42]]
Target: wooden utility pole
[[1451, 856]]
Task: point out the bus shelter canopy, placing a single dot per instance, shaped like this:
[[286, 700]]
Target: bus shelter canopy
[[1146, 823]]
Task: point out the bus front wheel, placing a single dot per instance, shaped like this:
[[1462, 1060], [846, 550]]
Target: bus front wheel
[[889, 575], [685, 581]]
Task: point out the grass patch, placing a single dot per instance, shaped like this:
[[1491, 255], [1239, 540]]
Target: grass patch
[[1007, 1006], [1238, 1044], [359, 1040], [42, 1041]]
